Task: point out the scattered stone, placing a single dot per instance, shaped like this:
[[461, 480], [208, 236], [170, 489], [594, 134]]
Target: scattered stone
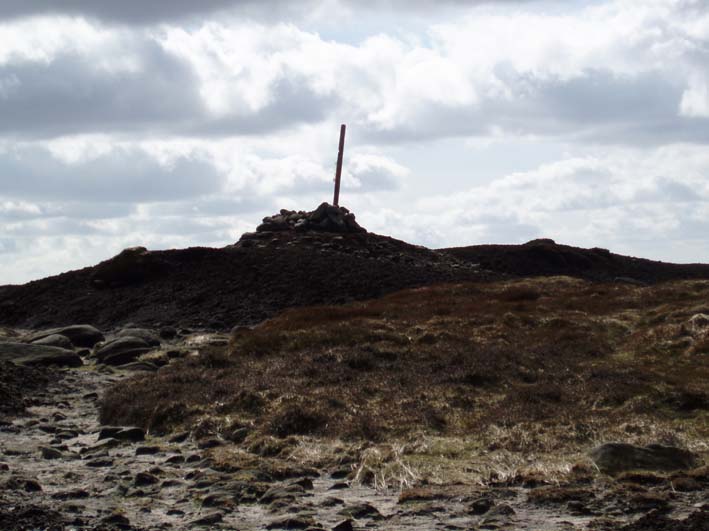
[[614, 458], [175, 460]]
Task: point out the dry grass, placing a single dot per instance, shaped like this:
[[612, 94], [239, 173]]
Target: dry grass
[[547, 366]]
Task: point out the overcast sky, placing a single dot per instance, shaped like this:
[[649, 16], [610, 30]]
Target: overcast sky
[[171, 123]]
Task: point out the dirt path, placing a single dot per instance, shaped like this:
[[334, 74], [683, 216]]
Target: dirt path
[[57, 475]]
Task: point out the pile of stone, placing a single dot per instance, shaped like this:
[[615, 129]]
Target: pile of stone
[[325, 218]]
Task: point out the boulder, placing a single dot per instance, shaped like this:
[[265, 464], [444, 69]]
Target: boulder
[[614, 458], [80, 335], [150, 337], [55, 340], [31, 355], [122, 350]]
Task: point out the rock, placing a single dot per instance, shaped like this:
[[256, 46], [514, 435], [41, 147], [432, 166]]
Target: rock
[[80, 335], [210, 442], [614, 458], [127, 358], [50, 453], [345, 525], [135, 346], [38, 355], [147, 450], [116, 519], [179, 437], [207, 519], [146, 335], [75, 494], [131, 434], [139, 366], [361, 510], [144, 479], [168, 332], [100, 462], [55, 340], [292, 522], [698, 323], [481, 506], [282, 492], [21, 483]]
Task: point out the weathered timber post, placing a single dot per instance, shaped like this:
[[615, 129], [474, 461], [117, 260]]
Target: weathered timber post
[[338, 173]]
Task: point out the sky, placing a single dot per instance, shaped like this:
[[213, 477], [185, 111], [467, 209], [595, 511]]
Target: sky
[[174, 123]]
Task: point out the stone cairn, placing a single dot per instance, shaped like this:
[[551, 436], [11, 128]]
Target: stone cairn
[[325, 218]]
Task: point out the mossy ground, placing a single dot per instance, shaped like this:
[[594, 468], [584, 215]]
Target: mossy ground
[[466, 382]]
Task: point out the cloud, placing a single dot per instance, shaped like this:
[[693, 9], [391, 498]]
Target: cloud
[[123, 174], [125, 11]]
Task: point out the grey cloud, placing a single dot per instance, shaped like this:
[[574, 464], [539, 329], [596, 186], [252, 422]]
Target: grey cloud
[[597, 108], [155, 11], [292, 102], [71, 95], [123, 175], [127, 11]]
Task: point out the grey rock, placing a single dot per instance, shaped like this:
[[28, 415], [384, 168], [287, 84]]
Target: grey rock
[[119, 346], [208, 519], [292, 522], [131, 434], [80, 335], [138, 366], [50, 453], [168, 332], [345, 525], [34, 355], [361, 510], [149, 336], [55, 340], [126, 359], [147, 450], [614, 458], [144, 479]]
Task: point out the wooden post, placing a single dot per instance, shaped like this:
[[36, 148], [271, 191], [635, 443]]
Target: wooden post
[[338, 173]]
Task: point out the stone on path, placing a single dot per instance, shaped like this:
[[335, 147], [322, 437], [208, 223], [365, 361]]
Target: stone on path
[[80, 335], [614, 458], [32, 355]]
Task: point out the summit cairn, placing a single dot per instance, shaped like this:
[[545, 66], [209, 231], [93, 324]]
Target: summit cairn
[[325, 218]]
